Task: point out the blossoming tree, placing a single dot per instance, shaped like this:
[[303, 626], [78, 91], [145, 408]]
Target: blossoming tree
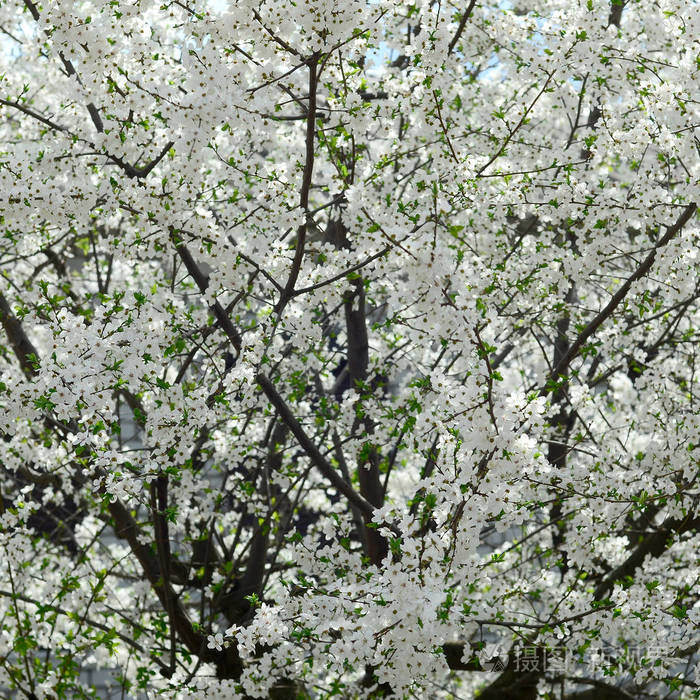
[[349, 349]]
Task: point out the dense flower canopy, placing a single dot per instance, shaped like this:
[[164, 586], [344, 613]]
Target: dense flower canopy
[[350, 348]]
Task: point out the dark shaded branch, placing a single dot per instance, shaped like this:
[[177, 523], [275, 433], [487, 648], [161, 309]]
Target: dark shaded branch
[[443, 126], [228, 662], [95, 116], [562, 422], [615, 16], [599, 691], [125, 527], [133, 172], [621, 293], [653, 545], [321, 463], [202, 283], [344, 274], [130, 170], [159, 503], [275, 38], [34, 115], [514, 683], [38, 479], [70, 70], [32, 9], [575, 125], [305, 185], [462, 23], [358, 361], [22, 347], [234, 603]]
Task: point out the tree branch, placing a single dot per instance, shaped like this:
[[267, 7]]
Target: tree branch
[[653, 545], [621, 293], [22, 347], [358, 361], [34, 115], [202, 283], [92, 110], [159, 502], [322, 464], [599, 691], [228, 662], [462, 23], [133, 172], [305, 185]]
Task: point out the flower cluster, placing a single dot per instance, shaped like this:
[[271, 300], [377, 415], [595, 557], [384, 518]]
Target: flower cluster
[[343, 346]]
